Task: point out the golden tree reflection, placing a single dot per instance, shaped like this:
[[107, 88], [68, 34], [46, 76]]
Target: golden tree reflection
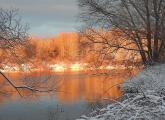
[[69, 86]]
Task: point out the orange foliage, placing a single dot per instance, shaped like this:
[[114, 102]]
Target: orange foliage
[[68, 48], [63, 47]]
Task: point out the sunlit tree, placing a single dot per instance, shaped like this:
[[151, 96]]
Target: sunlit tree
[[140, 22]]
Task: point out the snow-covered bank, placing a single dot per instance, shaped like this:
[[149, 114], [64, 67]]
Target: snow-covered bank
[[60, 67], [144, 98]]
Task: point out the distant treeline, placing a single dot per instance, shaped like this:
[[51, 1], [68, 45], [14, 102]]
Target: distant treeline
[[69, 47], [63, 47]]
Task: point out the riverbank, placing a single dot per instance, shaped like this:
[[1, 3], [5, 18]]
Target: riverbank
[[62, 68], [144, 98]]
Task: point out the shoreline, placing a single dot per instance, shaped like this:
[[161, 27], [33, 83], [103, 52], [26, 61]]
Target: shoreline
[[143, 98], [62, 68]]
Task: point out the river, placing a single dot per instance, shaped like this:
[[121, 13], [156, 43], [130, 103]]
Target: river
[[75, 94]]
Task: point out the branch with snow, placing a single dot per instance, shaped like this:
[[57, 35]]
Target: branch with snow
[[144, 98], [24, 86]]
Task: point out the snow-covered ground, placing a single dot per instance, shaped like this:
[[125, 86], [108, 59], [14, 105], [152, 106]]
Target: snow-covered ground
[[144, 98]]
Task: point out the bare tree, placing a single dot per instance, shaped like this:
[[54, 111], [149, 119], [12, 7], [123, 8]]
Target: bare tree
[[139, 25], [13, 34]]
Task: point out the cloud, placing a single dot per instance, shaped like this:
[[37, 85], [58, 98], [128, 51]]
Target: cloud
[[41, 14]]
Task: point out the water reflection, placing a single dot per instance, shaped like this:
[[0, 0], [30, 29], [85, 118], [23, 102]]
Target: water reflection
[[69, 87], [75, 94], [89, 88]]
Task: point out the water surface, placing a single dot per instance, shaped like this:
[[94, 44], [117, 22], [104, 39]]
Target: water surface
[[75, 94]]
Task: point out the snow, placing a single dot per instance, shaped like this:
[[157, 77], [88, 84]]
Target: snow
[[151, 79], [144, 98], [76, 67], [58, 67], [6, 68]]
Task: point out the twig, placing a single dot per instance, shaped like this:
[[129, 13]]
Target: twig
[[11, 83], [23, 87]]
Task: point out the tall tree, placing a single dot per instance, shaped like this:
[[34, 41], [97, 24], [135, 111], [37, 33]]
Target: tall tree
[[141, 22], [12, 32]]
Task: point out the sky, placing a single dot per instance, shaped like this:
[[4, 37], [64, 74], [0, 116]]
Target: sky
[[46, 17]]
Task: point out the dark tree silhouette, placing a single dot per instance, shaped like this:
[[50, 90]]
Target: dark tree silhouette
[[141, 22], [12, 32]]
